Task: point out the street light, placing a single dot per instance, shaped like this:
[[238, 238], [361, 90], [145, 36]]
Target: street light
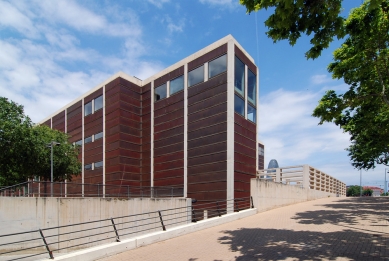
[[386, 184], [51, 145]]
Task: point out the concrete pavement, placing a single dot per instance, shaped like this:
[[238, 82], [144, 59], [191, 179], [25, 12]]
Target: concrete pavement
[[325, 229]]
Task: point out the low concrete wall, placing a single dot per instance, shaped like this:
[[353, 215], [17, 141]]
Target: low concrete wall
[[26, 214], [268, 195]]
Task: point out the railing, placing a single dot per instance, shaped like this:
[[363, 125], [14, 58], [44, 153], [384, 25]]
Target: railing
[[63, 239], [68, 189]]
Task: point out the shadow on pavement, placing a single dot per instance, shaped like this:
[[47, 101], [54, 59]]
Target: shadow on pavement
[[273, 244], [350, 211]]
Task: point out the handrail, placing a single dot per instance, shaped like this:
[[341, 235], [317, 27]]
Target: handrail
[[66, 237]]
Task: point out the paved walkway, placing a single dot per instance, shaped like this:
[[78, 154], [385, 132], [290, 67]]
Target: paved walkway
[[325, 229]]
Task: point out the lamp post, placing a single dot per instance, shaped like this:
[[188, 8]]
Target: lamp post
[[386, 184], [51, 145], [360, 181]]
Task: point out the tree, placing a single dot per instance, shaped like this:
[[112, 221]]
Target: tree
[[367, 192], [292, 18], [362, 61], [24, 149], [353, 191]]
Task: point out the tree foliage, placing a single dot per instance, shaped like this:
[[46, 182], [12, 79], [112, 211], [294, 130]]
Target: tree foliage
[[292, 18], [24, 152], [353, 191], [362, 61]]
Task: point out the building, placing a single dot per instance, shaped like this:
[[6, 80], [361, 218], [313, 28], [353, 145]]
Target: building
[[376, 190], [192, 125]]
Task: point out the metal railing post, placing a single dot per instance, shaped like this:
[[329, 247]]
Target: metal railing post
[[160, 217], [218, 209], [236, 204], [194, 216], [47, 246], [116, 232], [252, 202]]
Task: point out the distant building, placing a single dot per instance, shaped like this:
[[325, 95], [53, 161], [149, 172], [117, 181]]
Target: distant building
[[376, 190], [273, 164]]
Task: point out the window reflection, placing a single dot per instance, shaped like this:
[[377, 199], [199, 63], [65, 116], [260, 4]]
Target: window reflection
[[239, 76], [177, 84], [239, 105], [88, 108], [160, 92], [196, 76], [217, 66], [251, 87], [251, 113], [99, 103]]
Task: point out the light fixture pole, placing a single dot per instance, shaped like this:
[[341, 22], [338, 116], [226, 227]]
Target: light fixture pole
[[386, 184], [360, 181], [51, 145]]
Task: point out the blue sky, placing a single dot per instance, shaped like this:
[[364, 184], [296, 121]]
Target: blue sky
[[51, 52]]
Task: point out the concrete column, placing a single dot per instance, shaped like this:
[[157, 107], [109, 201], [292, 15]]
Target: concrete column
[[278, 175], [230, 123], [104, 139], [205, 72], [306, 176], [83, 147], [186, 130], [152, 136]]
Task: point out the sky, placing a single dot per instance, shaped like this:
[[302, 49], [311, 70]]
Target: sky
[[51, 52]]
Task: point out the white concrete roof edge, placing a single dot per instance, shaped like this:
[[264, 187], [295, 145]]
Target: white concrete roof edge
[[155, 76]]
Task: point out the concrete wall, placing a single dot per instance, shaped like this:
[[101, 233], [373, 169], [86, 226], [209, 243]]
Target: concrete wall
[[268, 195], [26, 214]]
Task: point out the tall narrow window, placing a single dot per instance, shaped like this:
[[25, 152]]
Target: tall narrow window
[[160, 92], [99, 103], [177, 84], [251, 113], [88, 108], [251, 87], [239, 105], [239, 76], [196, 76], [217, 66]]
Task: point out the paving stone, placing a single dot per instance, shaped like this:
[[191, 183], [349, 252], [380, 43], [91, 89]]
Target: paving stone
[[325, 229]]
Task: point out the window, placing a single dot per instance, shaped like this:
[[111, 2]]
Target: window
[[98, 164], [98, 135], [239, 105], [79, 142], [251, 87], [217, 66], [88, 108], [88, 167], [196, 76], [160, 92], [88, 139], [99, 103], [239, 76], [177, 84], [251, 113]]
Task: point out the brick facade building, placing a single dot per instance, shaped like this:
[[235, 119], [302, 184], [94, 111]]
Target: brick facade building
[[192, 125]]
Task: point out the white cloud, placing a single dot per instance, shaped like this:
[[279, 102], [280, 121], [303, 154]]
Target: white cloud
[[320, 78], [158, 3], [220, 3], [291, 135], [174, 26], [10, 16]]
